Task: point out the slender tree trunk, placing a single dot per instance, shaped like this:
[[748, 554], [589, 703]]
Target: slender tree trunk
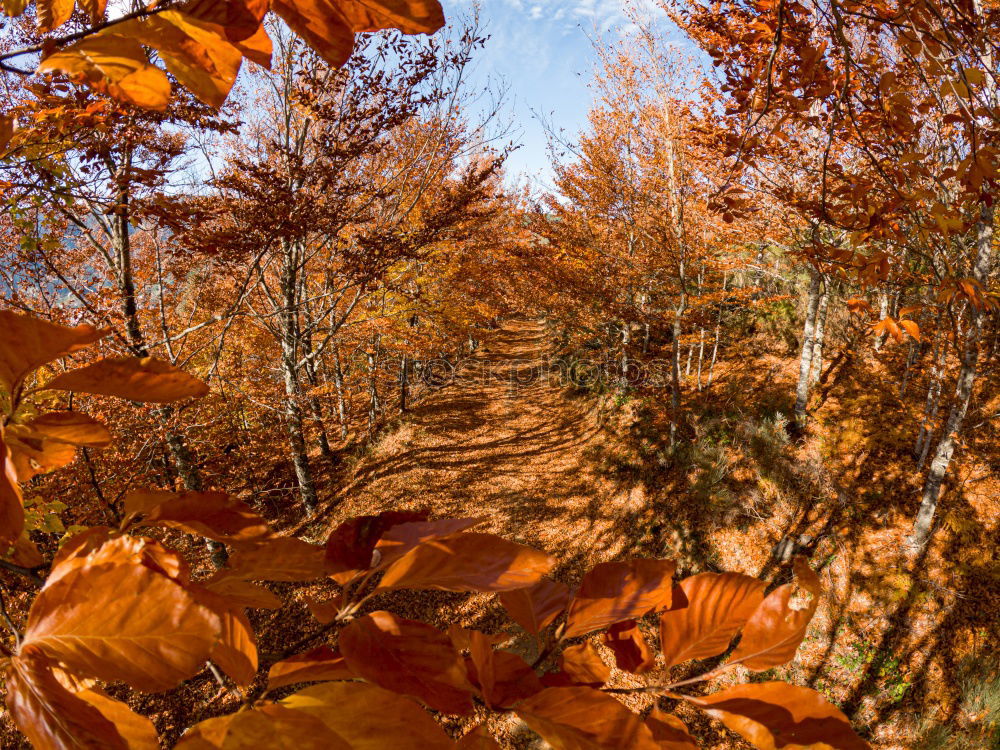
[[687, 366], [289, 370], [718, 328], [338, 381], [883, 311], [805, 358], [675, 381], [931, 404], [924, 522], [626, 338], [701, 354], [816, 367], [404, 382], [373, 404]]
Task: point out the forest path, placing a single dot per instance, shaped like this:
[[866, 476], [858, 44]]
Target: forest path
[[491, 444]]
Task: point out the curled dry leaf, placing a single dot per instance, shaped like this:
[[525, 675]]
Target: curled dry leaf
[[707, 611], [773, 634], [669, 731], [51, 716], [774, 715], [629, 646], [615, 591], [320, 664], [579, 718], [535, 607], [215, 515], [370, 718], [27, 343], [32, 454], [119, 619], [143, 379], [467, 562], [408, 657]]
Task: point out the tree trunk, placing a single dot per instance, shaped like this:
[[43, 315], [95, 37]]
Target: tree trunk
[[818, 336], [805, 358], [338, 381], [675, 381], [373, 383], [404, 382], [924, 522], [701, 355]]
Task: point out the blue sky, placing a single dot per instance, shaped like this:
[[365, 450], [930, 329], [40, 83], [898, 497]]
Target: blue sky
[[544, 51]]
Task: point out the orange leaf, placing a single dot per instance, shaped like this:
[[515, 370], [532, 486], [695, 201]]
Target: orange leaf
[[271, 725], [616, 591], [503, 677], [467, 562], [119, 619], [11, 503], [478, 739], [27, 343], [583, 665], [71, 427], [284, 558], [773, 634], [631, 651], [318, 665], [137, 379], [369, 718], [51, 14], [774, 715], [321, 24], [325, 610], [409, 16], [911, 328], [535, 607], [51, 716], [215, 515], [408, 657], [400, 539], [137, 731], [350, 546], [241, 594], [33, 454], [580, 718], [708, 610], [241, 19], [669, 731]]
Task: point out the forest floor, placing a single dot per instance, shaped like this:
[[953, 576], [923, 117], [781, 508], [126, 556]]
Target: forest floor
[[588, 479]]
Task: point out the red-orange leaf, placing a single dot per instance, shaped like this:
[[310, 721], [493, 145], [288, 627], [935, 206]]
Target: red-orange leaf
[[136, 379], [503, 677], [71, 427], [137, 731], [580, 718], [467, 562], [707, 611], [284, 558], [33, 454], [351, 544], [317, 665], [616, 591], [408, 657], [631, 651], [321, 24], [774, 715], [400, 539], [409, 16], [11, 503], [271, 725], [773, 634], [478, 739], [27, 343], [535, 607], [241, 594]]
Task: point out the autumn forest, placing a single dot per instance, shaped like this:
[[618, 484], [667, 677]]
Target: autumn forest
[[323, 427]]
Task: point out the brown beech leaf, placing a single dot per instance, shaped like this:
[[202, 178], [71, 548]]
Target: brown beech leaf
[[257, 48], [580, 718], [351, 544], [321, 24], [27, 343], [99, 545], [669, 731], [284, 558], [370, 718], [137, 731], [271, 725], [33, 454], [241, 594], [51, 716], [401, 538], [503, 677], [631, 651], [615, 591], [116, 65], [316, 665], [467, 562], [773, 715], [478, 739], [25, 553], [583, 665], [53, 13], [71, 427], [535, 607], [325, 610], [408, 657], [409, 16], [773, 634], [121, 620], [236, 651], [707, 611], [215, 515], [133, 378], [11, 502], [240, 19]]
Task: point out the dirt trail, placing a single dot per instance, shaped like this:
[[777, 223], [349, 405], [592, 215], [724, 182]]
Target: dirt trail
[[512, 451]]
